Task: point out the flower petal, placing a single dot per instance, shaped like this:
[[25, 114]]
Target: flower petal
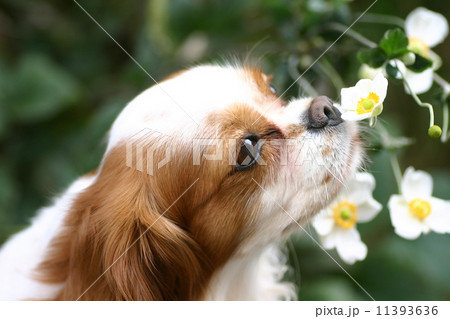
[[419, 82], [353, 116], [379, 86], [368, 210], [439, 219], [364, 86], [349, 99], [404, 223], [323, 223], [416, 184], [429, 26], [329, 241], [349, 245], [359, 188], [351, 96]]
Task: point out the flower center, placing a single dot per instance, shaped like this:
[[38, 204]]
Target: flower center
[[366, 105], [419, 46], [420, 208], [345, 214]]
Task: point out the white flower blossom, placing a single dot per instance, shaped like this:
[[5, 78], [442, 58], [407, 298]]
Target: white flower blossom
[[425, 29], [415, 211], [365, 99], [336, 225]]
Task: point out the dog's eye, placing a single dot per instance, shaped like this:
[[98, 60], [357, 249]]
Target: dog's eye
[[249, 153], [274, 91]]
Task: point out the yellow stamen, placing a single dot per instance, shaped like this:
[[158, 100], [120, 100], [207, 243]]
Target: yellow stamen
[[420, 208], [345, 214], [366, 105], [419, 46]]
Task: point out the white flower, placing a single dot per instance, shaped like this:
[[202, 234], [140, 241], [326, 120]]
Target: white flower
[[365, 99], [425, 29], [415, 211], [336, 225]]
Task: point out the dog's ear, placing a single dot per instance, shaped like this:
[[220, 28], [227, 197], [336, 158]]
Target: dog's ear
[[152, 258], [121, 242]]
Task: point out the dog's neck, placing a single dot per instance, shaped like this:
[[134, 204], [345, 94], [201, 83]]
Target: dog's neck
[[255, 276]]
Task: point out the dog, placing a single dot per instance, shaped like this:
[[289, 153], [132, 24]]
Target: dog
[[204, 177]]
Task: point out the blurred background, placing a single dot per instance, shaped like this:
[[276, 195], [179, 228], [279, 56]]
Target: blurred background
[[63, 81]]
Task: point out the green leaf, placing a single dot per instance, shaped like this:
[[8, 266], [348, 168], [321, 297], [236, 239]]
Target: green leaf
[[394, 43], [373, 57], [420, 64], [392, 71], [38, 89]]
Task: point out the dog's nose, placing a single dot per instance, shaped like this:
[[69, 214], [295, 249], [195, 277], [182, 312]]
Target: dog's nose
[[322, 113]]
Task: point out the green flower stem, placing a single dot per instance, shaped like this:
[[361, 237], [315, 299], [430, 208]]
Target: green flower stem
[[353, 34], [396, 169], [383, 18], [416, 98], [446, 87], [445, 134]]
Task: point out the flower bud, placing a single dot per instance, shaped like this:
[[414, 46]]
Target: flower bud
[[366, 72], [435, 131], [408, 58]]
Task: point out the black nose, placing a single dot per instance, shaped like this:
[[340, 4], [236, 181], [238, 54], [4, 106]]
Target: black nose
[[322, 113]]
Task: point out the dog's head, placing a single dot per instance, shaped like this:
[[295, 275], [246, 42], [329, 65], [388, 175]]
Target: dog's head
[[208, 164]]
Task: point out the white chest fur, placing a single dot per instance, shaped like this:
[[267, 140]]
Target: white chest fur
[[253, 277]]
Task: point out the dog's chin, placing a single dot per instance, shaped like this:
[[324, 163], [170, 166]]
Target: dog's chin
[[300, 191], [337, 157]]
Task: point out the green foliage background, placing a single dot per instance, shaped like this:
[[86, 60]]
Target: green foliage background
[[63, 81]]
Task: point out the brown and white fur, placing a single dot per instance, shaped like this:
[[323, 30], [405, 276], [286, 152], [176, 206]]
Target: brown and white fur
[[189, 230]]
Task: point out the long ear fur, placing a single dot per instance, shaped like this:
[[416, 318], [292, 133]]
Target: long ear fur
[[117, 245]]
